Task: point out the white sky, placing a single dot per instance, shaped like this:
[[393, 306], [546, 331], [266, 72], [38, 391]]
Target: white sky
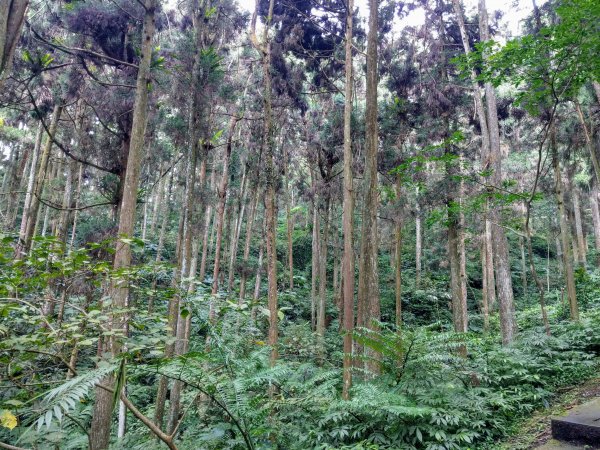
[[514, 12]]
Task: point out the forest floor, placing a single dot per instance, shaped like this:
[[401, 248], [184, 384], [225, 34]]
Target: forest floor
[[535, 433]]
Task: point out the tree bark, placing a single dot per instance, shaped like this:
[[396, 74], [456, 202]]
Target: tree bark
[[418, 240], [238, 230], [158, 200], [222, 197], [247, 242], [368, 278], [270, 175], [323, 275], [12, 16], [581, 247], [76, 213], [564, 229], [101, 419], [453, 206], [504, 287], [206, 245], [596, 220], [10, 187], [289, 221], [315, 271], [398, 254]]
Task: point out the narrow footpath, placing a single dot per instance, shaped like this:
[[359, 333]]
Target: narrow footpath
[[567, 409]]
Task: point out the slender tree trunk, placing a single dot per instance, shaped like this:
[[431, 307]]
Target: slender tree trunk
[[222, 196], [206, 245], [485, 308], [315, 262], [164, 213], [489, 295], [76, 213], [534, 274], [22, 182], [165, 210], [185, 273], [10, 185], [523, 265], [581, 247], [247, 242], [67, 204], [564, 229], [368, 278], [504, 287], [238, 230], [101, 419], [30, 214], [489, 261], [348, 211], [418, 241], [158, 199], [259, 267], [289, 221], [459, 300], [398, 255], [323, 275]]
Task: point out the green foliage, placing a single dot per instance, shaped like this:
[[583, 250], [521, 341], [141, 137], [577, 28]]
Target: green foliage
[[548, 66]]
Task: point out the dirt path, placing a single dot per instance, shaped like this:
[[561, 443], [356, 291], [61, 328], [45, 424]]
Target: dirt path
[[535, 432]]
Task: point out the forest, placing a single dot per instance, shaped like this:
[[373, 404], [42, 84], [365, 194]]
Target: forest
[[296, 224]]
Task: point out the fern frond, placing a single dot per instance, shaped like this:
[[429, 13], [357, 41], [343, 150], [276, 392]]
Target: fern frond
[[65, 397]]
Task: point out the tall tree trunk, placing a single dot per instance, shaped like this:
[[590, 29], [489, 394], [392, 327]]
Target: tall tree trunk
[[185, 273], [270, 175], [158, 199], [581, 247], [21, 185], [564, 228], [67, 206], [165, 210], [32, 207], [489, 260], [323, 275], [247, 242], [259, 266], [101, 419], [348, 212], [315, 258], [368, 278], [489, 294], [76, 213], [508, 324], [418, 240], [459, 300], [485, 307], [238, 229], [289, 221], [9, 185], [222, 196], [523, 265], [208, 229], [398, 254]]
